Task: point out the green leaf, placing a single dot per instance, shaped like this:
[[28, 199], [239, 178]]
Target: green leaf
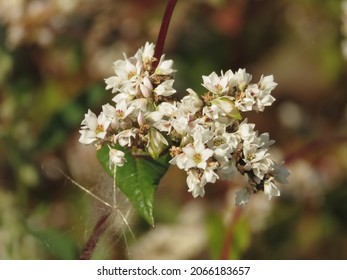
[[59, 244], [137, 179]]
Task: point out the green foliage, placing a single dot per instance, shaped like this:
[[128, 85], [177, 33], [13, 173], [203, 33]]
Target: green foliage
[[137, 179], [60, 245], [238, 237]]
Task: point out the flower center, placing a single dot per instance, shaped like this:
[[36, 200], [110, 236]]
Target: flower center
[[218, 87], [99, 129], [218, 142], [197, 158], [131, 74], [120, 113], [250, 156]]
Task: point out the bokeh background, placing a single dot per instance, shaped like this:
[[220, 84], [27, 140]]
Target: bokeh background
[[54, 55]]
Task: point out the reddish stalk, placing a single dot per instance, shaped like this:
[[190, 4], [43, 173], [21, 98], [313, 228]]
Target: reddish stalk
[[159, 46], [229, 235], [98, 230], [314, 147]]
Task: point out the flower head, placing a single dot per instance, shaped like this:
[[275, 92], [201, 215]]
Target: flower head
[[208, 135]]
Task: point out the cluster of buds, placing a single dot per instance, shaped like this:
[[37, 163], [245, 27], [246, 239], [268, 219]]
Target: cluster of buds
[[204, 134]]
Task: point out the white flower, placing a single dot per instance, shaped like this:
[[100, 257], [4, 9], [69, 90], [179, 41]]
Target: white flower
[[246, 130], [165, 88], [180, 124], [122, 109], [263, 100], [93, 128], [213, 112], [111, 114], [267, 83], [146, 87], [164, 67], [245, 102], [270, 189], [243, 79], [145, 53], [195, 185], [161, 117], [215, 84], [242, 197], [209, 176], [116, 157], [197, 156], [113, 83], [261, 168], [192, 102], [126, 137], [202, 134], [263, 140], [179, 160], [253, 155]]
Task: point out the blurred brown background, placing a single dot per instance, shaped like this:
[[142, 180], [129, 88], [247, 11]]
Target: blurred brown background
[[54, 55]]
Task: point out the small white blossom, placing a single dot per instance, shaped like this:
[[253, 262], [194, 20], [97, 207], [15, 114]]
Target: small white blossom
[[195, 185], [146, 87], [145, 54], [116, 157], [125, 138], [267, 83], [242, 79], [164, 67], [270, 189], [197, 156], [93, 128], [165, 88], [216, 84], [192, 102]]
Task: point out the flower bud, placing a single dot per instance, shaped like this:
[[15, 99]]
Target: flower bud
[[157, 143]]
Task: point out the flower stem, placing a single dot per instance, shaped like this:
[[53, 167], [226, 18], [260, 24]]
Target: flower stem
[[163, 31], [98, 230], [229, 236]]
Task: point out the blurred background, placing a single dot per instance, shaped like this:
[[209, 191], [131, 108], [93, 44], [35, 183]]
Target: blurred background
[[54, 56]]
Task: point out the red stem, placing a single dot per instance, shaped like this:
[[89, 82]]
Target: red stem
[[229, 235], [98, 230], [163, 31], [314, 147]]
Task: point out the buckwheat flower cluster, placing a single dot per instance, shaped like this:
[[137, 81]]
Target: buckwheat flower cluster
[[138, 89], [213, 141], [204, 134]]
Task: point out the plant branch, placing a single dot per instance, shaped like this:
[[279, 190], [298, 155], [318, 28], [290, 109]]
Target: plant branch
[[98, 230], [159, 46], [229, 235]]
